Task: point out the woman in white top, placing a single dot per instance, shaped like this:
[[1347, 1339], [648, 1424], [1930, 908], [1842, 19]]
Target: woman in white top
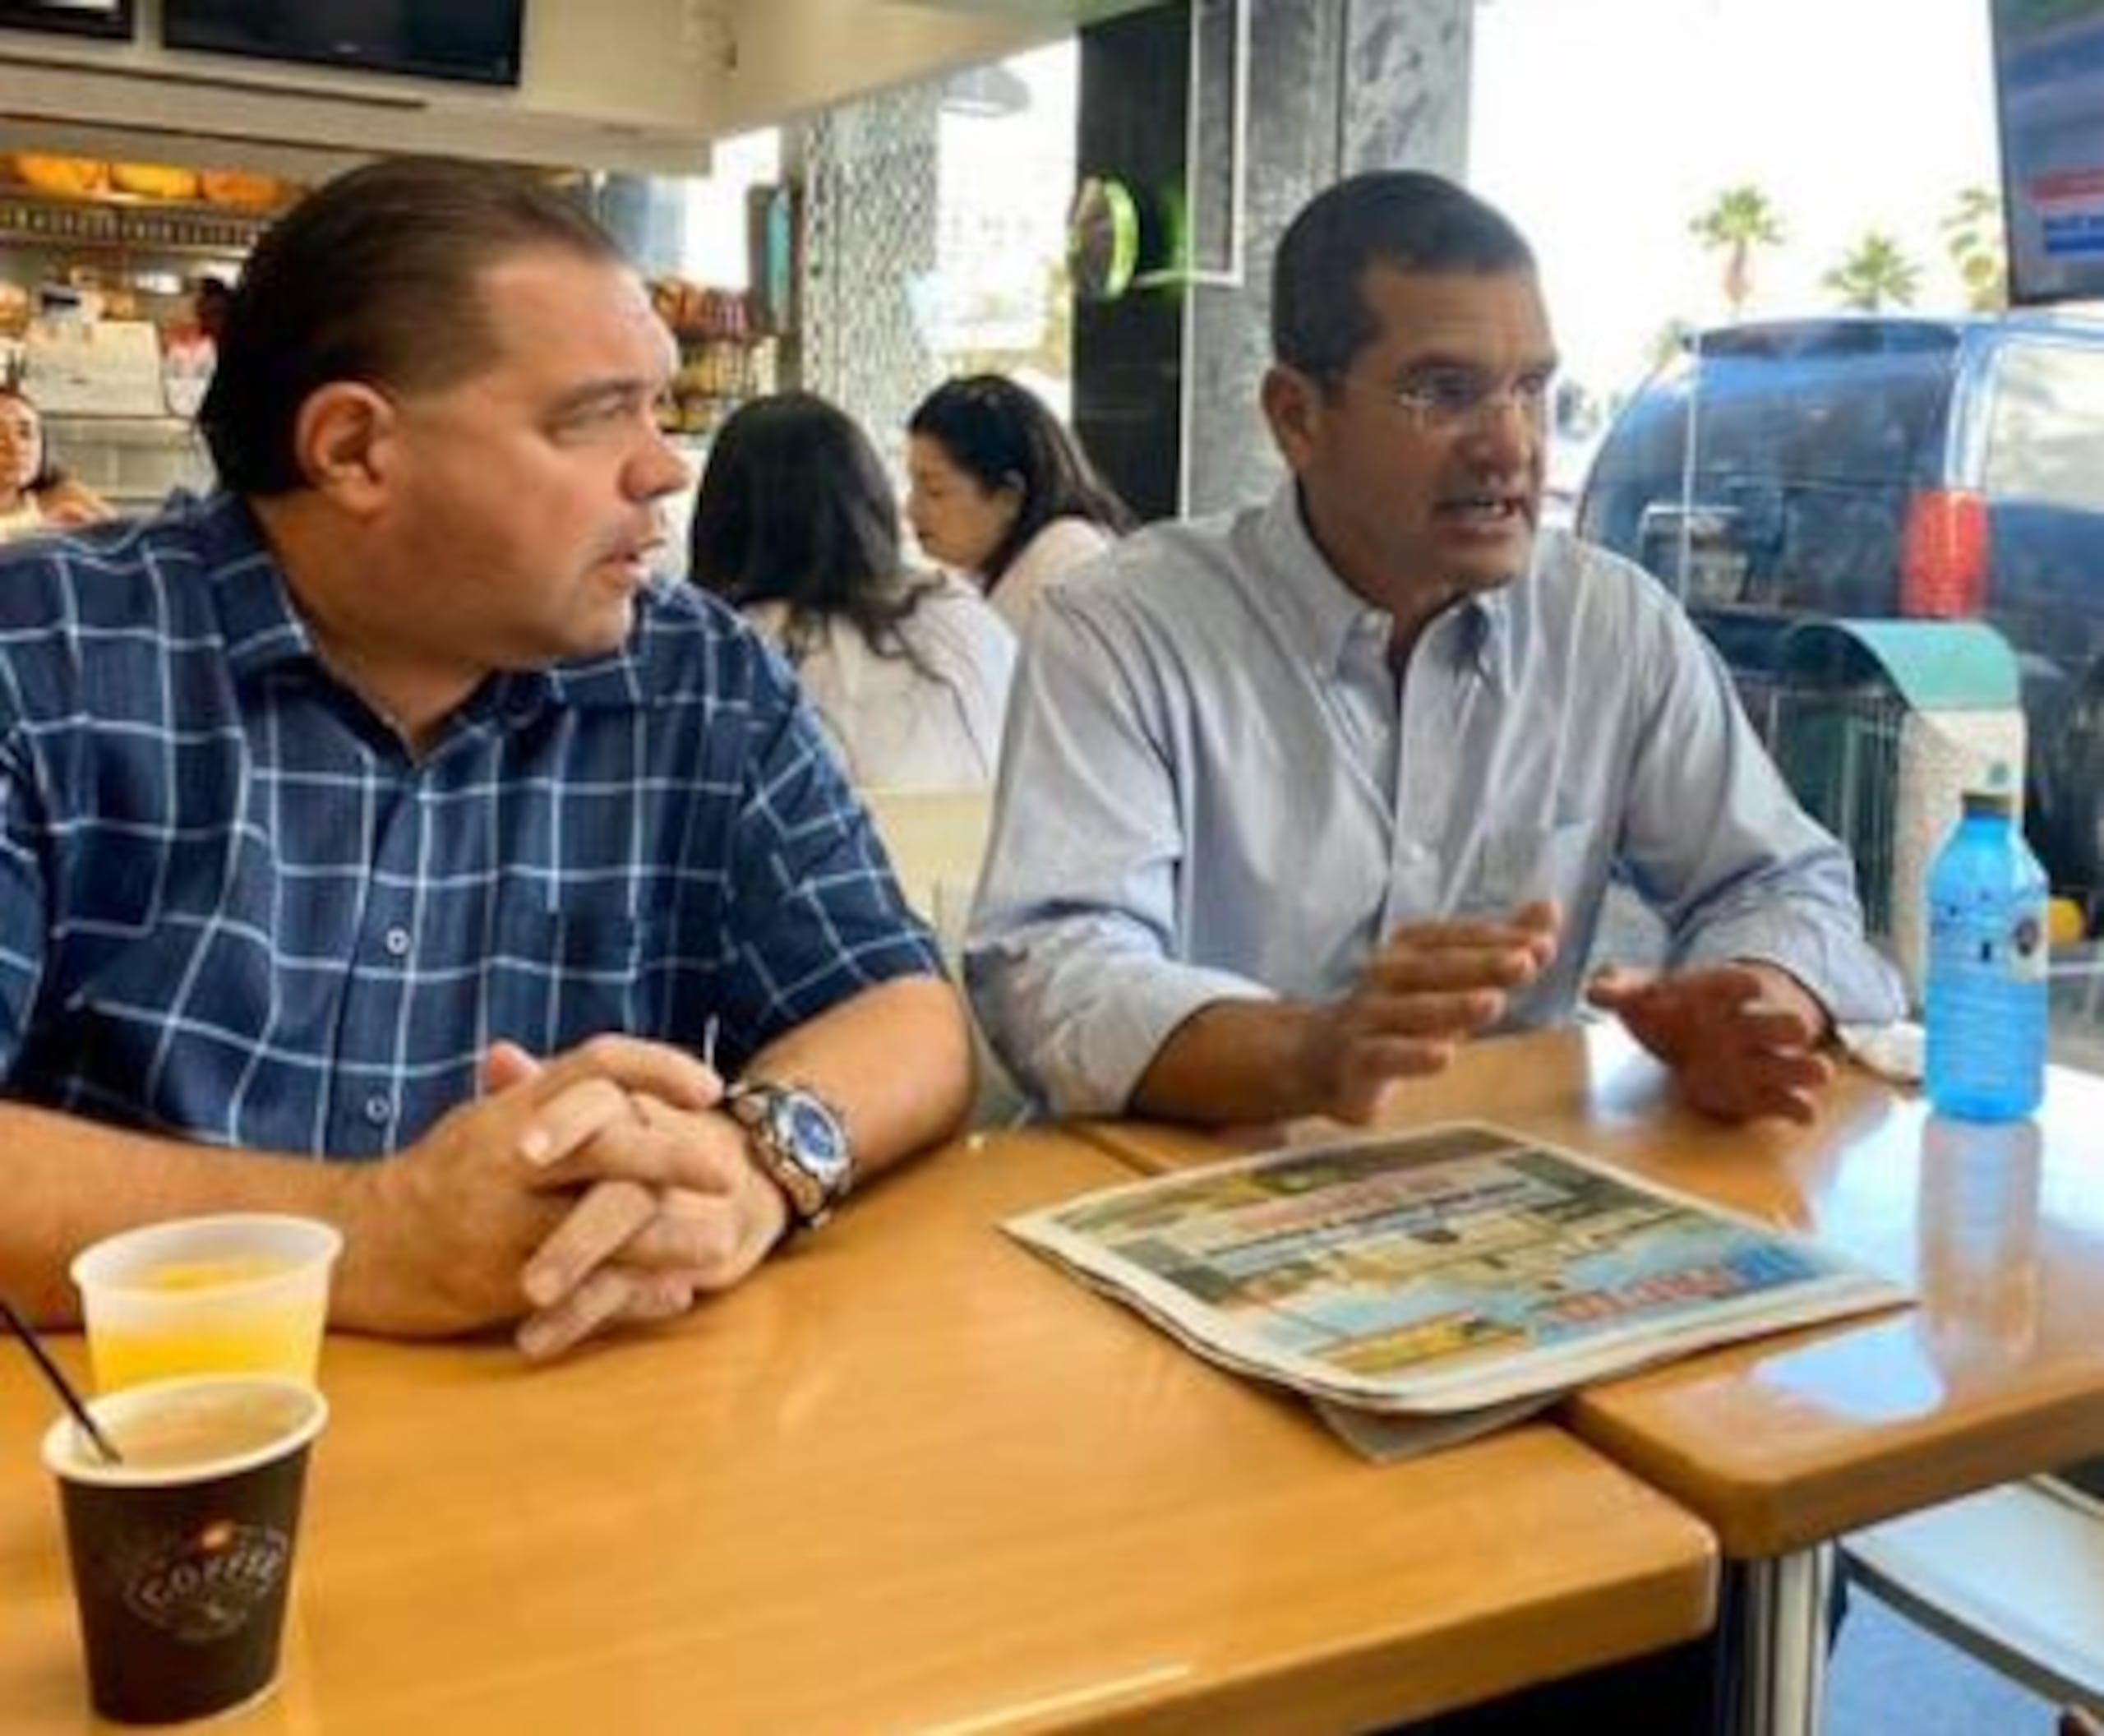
[[795, 524], [1000, 489], [35, 493]]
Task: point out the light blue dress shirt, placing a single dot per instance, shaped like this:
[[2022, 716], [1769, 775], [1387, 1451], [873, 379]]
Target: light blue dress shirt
[[1212, 787]]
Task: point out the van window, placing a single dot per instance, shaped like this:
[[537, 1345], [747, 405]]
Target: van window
[[1875, 419], [1805, 458], [2042, 433]]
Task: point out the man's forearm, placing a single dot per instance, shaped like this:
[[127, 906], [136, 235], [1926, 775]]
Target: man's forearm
[[1230, 1062], [895, 1060], [71, 1181]]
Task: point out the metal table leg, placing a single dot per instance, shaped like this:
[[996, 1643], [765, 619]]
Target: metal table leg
[[1783, 1634]]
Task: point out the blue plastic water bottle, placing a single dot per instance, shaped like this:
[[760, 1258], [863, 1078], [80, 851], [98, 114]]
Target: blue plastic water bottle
[[1986, 993]]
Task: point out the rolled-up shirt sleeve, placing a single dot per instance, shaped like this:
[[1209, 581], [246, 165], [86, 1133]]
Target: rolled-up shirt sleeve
[[1069, 959]]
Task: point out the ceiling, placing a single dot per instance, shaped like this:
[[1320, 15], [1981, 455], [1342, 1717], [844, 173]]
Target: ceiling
[[637, 84]]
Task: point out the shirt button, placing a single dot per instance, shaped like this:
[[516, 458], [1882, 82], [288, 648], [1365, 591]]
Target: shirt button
[[397, 943], [379, 1108]]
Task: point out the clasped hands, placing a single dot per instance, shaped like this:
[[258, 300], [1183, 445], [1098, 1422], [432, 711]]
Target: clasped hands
[[1742, 1039], [600, 1187]]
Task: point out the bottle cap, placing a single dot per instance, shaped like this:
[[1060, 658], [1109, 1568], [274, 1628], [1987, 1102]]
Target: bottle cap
[[1994, 794]]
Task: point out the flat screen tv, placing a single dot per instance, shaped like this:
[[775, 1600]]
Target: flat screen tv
[[477, 40], [2049, 91], [74, 17]]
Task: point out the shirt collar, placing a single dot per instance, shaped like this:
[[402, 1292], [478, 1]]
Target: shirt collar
[[1325, 618], [261, 627]]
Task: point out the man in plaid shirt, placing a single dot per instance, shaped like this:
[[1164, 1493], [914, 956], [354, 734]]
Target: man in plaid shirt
[[382, 807]]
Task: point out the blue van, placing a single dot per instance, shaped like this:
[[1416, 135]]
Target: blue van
[[1869, 465]]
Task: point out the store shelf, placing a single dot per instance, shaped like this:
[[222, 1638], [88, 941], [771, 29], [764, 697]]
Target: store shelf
[[31, 219]]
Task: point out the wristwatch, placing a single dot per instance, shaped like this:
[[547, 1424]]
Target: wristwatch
[[801, 1143]]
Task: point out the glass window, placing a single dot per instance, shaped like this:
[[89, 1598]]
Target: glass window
[[997, 300], [2044, 430]]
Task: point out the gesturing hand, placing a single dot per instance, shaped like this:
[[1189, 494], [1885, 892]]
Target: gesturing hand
[[1742, 1039], [1431, 987]]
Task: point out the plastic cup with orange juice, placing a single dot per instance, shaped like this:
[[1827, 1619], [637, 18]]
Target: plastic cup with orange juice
[[239, 1294]]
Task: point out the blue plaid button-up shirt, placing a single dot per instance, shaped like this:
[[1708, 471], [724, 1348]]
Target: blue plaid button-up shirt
[[233, 907]]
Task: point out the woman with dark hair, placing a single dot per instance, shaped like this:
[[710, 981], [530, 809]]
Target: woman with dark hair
[[1001, 491], [35, 493], [796, 526]]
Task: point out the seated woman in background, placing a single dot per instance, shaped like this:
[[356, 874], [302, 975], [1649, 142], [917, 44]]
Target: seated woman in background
[[1001, 491], [35, 493], [796, 525]]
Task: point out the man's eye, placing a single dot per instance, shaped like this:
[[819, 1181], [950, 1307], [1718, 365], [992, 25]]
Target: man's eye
[[592, 418], [1445, 391]]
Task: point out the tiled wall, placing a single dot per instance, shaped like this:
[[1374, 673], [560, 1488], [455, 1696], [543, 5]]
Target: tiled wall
[[1336, 85], [870, 190], [1171, 407], [1342, 86]]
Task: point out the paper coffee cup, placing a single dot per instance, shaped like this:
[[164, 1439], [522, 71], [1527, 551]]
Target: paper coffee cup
[[182, 1556]]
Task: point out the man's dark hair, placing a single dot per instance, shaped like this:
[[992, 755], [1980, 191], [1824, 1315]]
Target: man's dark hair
[[794, 508], [372, 277], [1403, 218], [1004, 436]]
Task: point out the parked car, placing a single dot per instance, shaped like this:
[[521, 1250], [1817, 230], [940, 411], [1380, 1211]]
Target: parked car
[[1873, 465]]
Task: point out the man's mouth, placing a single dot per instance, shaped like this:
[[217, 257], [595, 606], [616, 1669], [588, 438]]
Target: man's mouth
[[637, 556], [1485, 509]]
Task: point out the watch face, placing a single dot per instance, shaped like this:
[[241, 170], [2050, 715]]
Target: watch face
[[808, 1130]]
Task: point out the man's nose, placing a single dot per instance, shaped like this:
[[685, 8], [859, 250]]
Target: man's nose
[[659, 469], [1507, 423]]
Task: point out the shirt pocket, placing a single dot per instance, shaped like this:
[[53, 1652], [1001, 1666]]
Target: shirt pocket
[[1565, 861], [554, 977]]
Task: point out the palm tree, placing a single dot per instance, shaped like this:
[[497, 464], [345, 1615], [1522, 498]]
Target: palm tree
[[1740, 220], [1974, 239], [1874, 274]]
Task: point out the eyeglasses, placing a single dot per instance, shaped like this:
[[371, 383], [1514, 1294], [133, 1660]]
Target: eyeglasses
[[1450, 400]]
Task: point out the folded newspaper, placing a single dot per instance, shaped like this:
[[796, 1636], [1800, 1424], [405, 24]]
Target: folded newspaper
[[1426, 1286]]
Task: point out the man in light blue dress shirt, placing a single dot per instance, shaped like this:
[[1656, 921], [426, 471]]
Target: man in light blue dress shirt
[[1295, 801]]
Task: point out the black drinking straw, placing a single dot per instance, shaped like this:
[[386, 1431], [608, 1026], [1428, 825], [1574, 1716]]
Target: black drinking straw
[[59, 1383]]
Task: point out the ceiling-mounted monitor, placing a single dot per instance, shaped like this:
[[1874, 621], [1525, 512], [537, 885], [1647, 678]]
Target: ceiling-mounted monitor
[[74, 17], [477, 40], [2049, 91]]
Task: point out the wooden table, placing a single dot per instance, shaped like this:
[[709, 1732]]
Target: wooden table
[[1784, 1443], [911, 1479]]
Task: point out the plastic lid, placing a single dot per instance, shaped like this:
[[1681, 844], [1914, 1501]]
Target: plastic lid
[[1995, 793]]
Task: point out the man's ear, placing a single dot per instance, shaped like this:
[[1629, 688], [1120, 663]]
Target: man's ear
[[342, 438], [1293, 406]]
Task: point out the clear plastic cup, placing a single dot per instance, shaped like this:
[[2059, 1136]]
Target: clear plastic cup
[[244, 1293]]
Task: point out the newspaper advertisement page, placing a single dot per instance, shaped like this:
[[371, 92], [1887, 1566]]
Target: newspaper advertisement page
[[1440, 1270]]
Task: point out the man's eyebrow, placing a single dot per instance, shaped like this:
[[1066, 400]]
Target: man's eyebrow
[[604, 394], [1442, 361]]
